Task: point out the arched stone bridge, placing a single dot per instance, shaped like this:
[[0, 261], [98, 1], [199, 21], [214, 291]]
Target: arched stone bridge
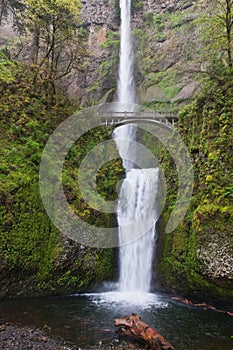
[[166, 119]]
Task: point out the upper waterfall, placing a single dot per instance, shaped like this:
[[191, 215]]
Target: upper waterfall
[[126, 86]]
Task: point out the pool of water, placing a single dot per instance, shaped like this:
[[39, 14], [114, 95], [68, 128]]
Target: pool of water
[[88, 319]]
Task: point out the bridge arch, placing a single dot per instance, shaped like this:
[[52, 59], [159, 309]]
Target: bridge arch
[[163, 119]]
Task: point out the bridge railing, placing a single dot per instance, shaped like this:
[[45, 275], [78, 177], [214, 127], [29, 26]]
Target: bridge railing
[[117, 117]]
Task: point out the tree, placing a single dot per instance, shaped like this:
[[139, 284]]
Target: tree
[[217, 27], [55, 44]]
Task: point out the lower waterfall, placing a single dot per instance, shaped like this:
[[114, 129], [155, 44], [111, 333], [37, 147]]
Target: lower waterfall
[[137, 234]]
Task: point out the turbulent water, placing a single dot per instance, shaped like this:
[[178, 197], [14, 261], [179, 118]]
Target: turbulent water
[[136, 218], [136, 208]]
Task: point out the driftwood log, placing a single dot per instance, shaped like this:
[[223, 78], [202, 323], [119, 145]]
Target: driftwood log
[[203, 305], [134, 327]]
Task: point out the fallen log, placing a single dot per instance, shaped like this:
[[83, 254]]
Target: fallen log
[[203, 305], [134, 327]]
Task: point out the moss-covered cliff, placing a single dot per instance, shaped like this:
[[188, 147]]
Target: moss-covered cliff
[[36, 259], [166, 45], [197, 258]]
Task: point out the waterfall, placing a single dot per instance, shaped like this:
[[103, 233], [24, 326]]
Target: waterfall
[[126, 85], [136, 212], [137, 218]]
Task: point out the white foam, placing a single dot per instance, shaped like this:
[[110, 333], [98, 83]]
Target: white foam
[[127, 300]]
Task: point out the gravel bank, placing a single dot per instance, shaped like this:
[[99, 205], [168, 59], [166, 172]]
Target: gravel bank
[[13, 337]]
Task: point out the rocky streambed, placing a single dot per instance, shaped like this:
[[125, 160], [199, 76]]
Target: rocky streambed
[[14, 337]]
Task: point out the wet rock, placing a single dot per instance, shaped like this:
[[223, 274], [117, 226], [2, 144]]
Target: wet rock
[[187, 91]]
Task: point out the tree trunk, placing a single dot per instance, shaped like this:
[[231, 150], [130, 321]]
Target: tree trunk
[[228, 22], [35, 45], [133, 326]]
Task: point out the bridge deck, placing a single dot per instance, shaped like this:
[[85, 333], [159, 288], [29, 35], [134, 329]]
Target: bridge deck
[[112, 118]]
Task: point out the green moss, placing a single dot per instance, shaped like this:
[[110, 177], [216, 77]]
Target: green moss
[[166, 81], [105, 180], [221, 219], [161, 106], [175, 20], [35, 257], [108, 65], [137, 5], [94, 87], [7, 69], [207, 131], [148, 18]]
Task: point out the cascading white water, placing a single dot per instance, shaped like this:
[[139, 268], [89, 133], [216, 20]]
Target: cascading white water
[[137, 204], [137, 218], [126, 85]]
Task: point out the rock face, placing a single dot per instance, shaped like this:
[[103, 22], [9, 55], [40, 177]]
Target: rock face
[[168, 5], [166, 48], [217, 258], [197, 258], [99, 20], [164, 39], [7, 31], [213, 229], [97, 12]]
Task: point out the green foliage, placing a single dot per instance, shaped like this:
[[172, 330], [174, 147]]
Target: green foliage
[[220, 216], [6, 69], [159, 22], [148, 18], [161, 106], [217, 30], [117, 9], [175, 20], [28, 240], [32, 250], [154, 59], [106, 179], [59, 14], [57, 42], [212, 111], [137, 5], [112, 40], [108, 67], [166, 81], [94, 87], [206, 128], [104, 264]]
